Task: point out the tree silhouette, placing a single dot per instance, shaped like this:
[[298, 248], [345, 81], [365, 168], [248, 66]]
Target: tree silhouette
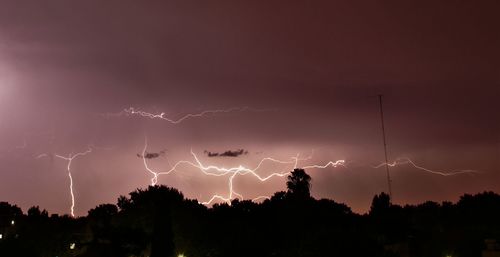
[[150, 210], [100, 220], [35, 212], [299, 184], [380, 204], [103, 211]]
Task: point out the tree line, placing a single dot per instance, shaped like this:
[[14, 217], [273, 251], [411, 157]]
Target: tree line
[[159, 221]]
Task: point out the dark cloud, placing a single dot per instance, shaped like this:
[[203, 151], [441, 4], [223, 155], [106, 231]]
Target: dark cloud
[[228, 153], [152, 155]]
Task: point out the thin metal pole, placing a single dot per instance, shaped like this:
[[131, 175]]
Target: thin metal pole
[[385, 147]]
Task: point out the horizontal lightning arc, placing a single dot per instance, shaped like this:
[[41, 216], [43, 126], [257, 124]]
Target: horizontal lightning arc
[[212, 170], [405, 160], [132, 111], [162, 116]]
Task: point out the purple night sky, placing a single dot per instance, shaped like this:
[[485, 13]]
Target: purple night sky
[[313, 69]]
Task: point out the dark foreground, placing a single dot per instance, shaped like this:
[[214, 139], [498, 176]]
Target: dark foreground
[[159, 221]]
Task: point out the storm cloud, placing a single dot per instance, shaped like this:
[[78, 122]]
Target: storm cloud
[[228, 153], [152, 155]]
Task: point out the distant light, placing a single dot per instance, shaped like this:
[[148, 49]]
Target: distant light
[[181, 255], [12, 222], [72, 246], [1, 236]]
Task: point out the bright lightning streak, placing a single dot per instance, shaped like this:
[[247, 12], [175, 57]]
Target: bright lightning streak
[[405, 160], [162, 116], [333, 164], [70, 159], [212, 170], [244, 171], [154, 180]]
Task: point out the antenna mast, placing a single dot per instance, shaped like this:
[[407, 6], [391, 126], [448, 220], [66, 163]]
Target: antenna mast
[[385, 147]]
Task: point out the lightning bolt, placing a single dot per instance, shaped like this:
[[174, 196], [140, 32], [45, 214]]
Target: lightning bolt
[[212, 170], [405, 160], [241, 170], [70, 159], [131, 111], [154, 180]]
